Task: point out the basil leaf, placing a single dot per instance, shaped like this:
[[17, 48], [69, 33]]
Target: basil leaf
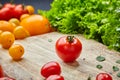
[[99, 66], [118, 74], [115, 68], [100, 58], [118, 61], [49, 40]]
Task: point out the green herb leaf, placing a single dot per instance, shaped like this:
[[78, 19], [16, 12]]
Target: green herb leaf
[[99, 66], [118, 74], [49, 40], [115, 68], [118, 61], [100, 58]]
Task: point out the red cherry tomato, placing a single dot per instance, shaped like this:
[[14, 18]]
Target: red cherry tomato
[[9, 5], [1, 72], [5, 13], [19, 10], [68, 48], [50, 68], [6, 78], [55, 77], [103, 76]]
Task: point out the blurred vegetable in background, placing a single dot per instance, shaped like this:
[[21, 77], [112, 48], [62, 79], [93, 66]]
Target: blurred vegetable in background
[[96, 19]]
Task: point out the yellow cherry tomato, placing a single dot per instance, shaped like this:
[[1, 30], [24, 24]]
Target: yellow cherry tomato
[[0, 34], [15, 21], [1, 31], [16, 51], [6, 39], [20, 32], [30, 9], [24, 16], [6, 26]]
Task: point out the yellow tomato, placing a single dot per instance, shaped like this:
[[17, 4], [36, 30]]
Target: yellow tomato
[[24, 16], [1, 31], [30, 9], [20, 32], [6, 26], [36, 24], [0, 34], [14, 25], [6, 39], [15, 21], [16, 51]]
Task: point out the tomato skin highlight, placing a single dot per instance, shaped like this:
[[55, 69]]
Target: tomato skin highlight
[[68, 51], [55, 77], [103, 76], [50, 68]]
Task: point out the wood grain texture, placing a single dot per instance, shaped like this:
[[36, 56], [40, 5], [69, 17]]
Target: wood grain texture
[[39, 50]]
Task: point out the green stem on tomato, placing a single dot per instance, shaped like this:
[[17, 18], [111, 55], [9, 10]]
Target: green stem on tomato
[[70, 39]]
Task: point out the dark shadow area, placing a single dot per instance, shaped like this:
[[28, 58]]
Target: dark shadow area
[[74, 64]]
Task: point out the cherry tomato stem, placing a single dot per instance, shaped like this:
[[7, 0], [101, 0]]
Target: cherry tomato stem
[[70, 39]]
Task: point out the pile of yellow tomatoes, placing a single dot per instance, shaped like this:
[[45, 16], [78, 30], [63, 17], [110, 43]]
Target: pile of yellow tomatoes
[[20, 26]]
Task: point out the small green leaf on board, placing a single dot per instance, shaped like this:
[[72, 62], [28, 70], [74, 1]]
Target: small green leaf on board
[[100, 58]]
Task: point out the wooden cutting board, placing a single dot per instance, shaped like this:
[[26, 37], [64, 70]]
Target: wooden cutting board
[[41, 49]]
